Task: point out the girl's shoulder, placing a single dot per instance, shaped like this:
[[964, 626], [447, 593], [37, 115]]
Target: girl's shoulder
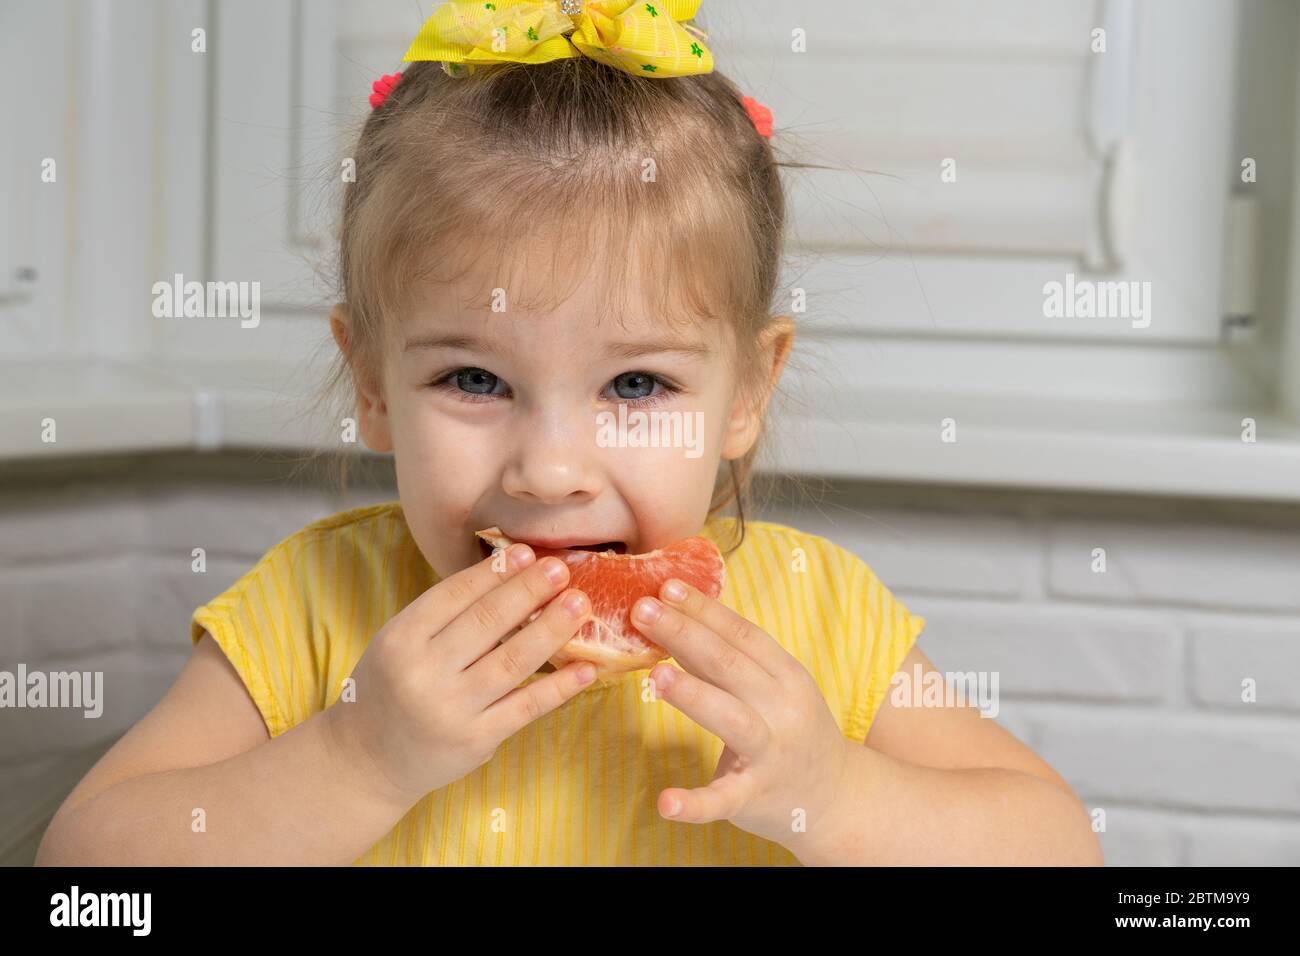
[[821, 578], [347, 540], [774, 540], [353, 537], [294, 623], [385, 510], [353, 546]]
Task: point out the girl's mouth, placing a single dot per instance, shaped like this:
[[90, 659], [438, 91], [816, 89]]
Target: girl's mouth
[[618, 547]]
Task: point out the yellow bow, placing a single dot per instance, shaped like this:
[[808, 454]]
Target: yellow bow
[[642, 38]]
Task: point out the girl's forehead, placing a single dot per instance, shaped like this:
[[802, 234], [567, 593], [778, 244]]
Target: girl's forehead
[[586, 307], [545, 268], [581, 333]]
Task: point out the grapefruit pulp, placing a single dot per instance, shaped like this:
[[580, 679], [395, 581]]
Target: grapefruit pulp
[[614, 582]]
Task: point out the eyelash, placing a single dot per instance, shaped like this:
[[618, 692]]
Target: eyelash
[[446, 383]]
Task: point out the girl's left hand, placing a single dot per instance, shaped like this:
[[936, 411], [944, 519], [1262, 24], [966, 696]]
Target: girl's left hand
[[785, 758]]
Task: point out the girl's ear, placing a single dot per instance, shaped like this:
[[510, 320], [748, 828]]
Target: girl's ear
[[777, 339], [746, 421], [372, 411]]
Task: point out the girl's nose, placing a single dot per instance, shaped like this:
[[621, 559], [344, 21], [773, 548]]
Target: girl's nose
[[549, 468]]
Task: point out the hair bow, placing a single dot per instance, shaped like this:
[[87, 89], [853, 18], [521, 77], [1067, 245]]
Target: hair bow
[[642, 38]]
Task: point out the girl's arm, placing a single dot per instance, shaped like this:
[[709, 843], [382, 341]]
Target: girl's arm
[[297, 799], [943, 785]]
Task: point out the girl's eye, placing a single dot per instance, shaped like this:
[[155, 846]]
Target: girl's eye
[[478, 385], [469, 384], [641, 385], [638, 386], [476, 381]]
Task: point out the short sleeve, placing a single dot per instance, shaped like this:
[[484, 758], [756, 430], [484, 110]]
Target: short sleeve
[[249, 623], [883, 631]]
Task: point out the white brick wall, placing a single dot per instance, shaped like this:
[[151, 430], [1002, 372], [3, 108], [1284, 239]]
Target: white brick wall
[[1186, 562], [1225, 652], [1129, 682], [1051, 652], [96, 575]]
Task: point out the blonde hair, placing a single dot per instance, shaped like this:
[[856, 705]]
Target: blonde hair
[[573, 156]]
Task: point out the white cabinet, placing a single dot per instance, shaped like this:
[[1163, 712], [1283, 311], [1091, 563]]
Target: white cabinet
[[995, 147], [1003, 150], [37, 170]]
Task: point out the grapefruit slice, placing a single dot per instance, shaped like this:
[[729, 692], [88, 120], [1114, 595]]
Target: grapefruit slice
[[614, 582]]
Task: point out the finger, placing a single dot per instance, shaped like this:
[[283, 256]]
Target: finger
[[703, 652], [740, 633], [739, 725], [526, 651], [517, 709], [723, 799], [482, 625], [439, 605]]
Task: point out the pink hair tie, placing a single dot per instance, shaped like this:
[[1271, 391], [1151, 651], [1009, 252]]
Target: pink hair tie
[[382, 87], [759, 115]]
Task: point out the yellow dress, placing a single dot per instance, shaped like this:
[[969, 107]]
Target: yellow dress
[[577, 786]]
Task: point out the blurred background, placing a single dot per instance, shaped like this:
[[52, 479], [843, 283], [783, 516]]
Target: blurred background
[[1047, 383]]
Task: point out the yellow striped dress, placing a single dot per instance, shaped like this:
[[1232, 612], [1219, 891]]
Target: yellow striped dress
[[577, 786]]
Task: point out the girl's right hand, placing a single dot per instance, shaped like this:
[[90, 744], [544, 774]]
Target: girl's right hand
[[436, 695]]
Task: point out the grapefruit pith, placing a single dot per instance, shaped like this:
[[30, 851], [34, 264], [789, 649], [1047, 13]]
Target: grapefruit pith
[[614, 582]]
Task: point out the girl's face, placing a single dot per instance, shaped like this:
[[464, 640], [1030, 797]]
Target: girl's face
[[513, 419]]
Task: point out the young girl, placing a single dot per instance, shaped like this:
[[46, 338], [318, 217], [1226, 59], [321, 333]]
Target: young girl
[[556, 213]]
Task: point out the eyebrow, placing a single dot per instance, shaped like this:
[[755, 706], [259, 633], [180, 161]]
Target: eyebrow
[[441, 342], [625, 350]]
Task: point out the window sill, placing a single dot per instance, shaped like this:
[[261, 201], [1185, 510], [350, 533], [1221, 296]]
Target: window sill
[[111, 405], [1059, 444], [105, 406]]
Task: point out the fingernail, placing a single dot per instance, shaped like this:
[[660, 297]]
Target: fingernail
[[674, 807], [674, 591], [554, 569], [521, 555], [575, 604], [586, 674], [648, 610]]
